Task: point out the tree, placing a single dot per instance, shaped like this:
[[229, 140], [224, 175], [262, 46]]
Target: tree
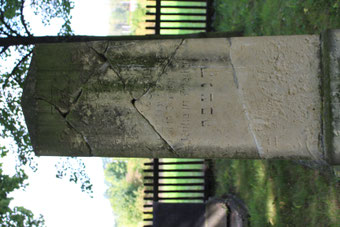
[[18, 216], [125, 192], [14, 26]]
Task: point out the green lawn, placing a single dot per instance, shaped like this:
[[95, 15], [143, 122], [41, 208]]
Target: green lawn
[[279, 193], [276, 17]]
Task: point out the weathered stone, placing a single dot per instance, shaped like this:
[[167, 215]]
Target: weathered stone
[[251, 97]]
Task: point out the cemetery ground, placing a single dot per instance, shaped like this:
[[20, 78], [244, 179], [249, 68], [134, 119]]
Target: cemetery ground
[[277, 17], [280, 193]]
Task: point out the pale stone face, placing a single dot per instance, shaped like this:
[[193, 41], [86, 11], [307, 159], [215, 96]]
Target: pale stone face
[[279, 80], [243, 97], [253, 97], [195, 106]]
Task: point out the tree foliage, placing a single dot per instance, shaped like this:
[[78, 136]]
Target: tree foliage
[[18, 216], [13, 25], [125, 190], [14, 66]]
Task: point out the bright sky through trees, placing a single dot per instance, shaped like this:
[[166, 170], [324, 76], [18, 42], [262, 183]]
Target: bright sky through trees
[[62, 203]]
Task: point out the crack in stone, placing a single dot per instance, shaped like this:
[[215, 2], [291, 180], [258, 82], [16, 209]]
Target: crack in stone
[[120, 77], [101, 55], [107, 47], [75, 100], [244, 107], [116, 70], [163, 71], [81, 135], [169, 147], [80, 92], [232, 65], [60, 110], [63, 113], [107, 61]]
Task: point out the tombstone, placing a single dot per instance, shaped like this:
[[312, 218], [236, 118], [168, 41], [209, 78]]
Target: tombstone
[[244, 97]]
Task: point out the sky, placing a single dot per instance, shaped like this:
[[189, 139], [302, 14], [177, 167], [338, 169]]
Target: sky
[[60, 202]]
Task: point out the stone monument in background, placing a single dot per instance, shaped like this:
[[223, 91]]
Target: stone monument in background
[[249, 97]]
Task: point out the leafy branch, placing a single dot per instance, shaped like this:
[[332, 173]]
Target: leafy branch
[[22, 18], [18, 70], [14, 26]]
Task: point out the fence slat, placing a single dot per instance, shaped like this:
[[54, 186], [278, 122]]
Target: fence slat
[[178, 21], [175, 170], [155, 179], [176, 177], [175, 7], [175, 163], [178, 28], [209, 15], [178, 14], [176, 184], [148, 163], [177, 198], [183, 198], [158, 17], [176, 191]]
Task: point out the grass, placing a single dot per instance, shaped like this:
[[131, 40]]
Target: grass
[[277, 17], [281, 193]]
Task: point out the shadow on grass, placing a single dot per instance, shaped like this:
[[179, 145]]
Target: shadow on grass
[[281, 193]]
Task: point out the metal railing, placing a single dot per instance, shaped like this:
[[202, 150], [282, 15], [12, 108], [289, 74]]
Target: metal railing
[[179, 16], [178, 181]]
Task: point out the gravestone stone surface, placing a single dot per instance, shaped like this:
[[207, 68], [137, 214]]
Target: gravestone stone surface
[[248, 97]]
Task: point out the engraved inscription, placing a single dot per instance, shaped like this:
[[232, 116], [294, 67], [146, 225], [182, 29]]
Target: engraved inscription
[[185, 121], [207, 109]]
